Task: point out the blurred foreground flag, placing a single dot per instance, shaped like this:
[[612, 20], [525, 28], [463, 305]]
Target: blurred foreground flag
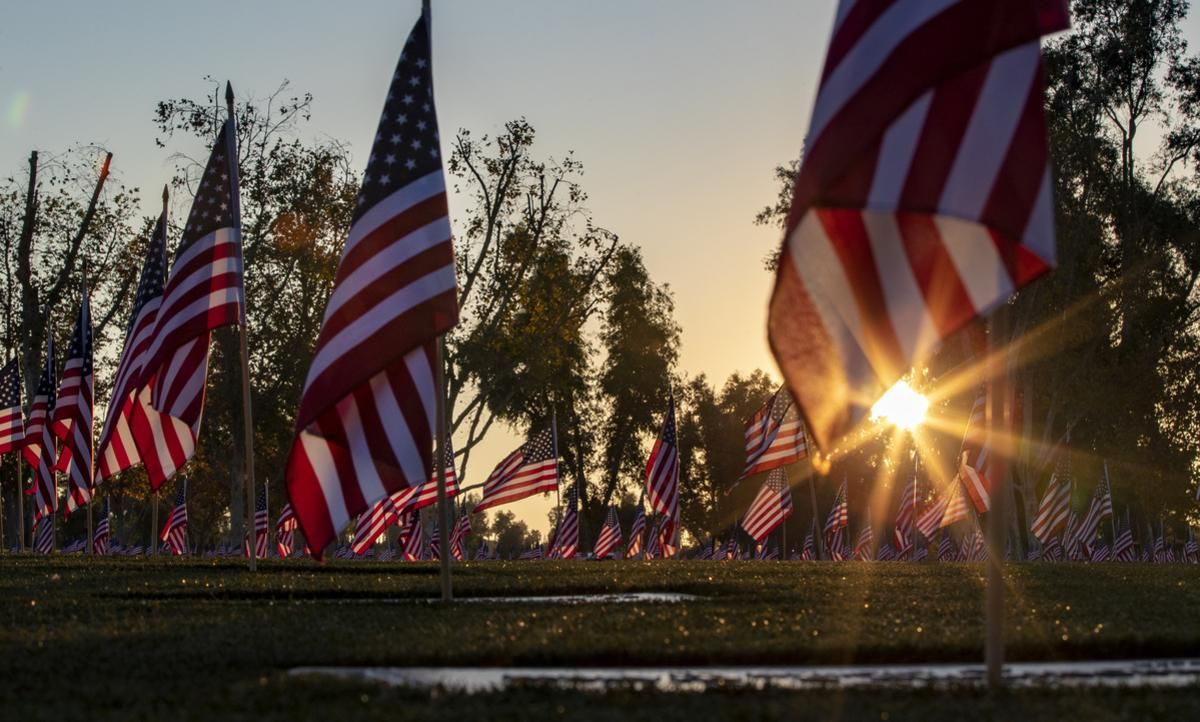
[[365, 426], [924, 197]]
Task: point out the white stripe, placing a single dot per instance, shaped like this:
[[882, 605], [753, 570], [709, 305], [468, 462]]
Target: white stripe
[[979, 266], [219, 237], [365, 473], [385, 311], [190, 391], [896, 154], [398, 202], [867, 55], [906, 307], [316, 449], [1039, 230], [988, 136], [422, 377], [396, 426], [174, 317]]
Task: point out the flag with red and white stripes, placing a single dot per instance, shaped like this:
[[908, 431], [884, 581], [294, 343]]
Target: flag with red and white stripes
[[1100, 509], [662, 468], [770, 508], [531, 469], [38, 448], [458, 536], [958, 507], [864, 547], [365, 425], [117, 449], [427, 493], [906, 515], [610, 535], [975, 460], [371, 524], [412, 537], [174, 532], [566, 542], [101, 534], [261, 526], [1055, 507], [839, 513], [285, 531], [924, 197], [930, 520], [72, 418], [637, 533], [43, 534], [204, 291], [12, 426], [774, 435]]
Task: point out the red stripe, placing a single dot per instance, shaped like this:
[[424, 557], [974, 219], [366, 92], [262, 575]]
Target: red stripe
[[946, 297], [393, 231]]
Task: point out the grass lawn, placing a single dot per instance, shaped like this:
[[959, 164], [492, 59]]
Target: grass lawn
[[141, 639]]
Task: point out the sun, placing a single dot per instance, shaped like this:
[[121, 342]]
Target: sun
[[901, 406]]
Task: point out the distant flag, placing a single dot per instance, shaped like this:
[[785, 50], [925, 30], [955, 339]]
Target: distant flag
[[839, 513], [43, 538], [774, 435], [946, 551], [864, 548], [427, 493], [610, 535], [39, 446], [770, 508], [1160, 553], [12, 426], [536, 552], [203, 292], [1123, 548], [73, 412], [731, 548], [957, 507], [481, 554], [285, 531], [435, 543], [902, 532], [1100, 553], [101, 533], [394, 295], [1055, 506], [566, 542], [975, 464], [837, 545], [1100, 509], [924, 198], [637, 533], [667, 536], [371, 524], [1191, 549], [531, 469], [174, 533], [261, 526], [930, 520], [413, 537], [118, 449], [459, 534], [808, 552], [662, 468]]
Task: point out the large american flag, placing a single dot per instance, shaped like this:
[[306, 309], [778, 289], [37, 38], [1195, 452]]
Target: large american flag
[[531, 469], [12, 426], [203, 292], [39, 448], [975, 460], [365, 425], [924, 198], [770, 508], [174, 532], [637, 533], [662, 469], [774, 435], [808, 551], [102, 531], [261, 525], [72, 418], [1055, 507], [285, 531], [610, 535], [118, 449]]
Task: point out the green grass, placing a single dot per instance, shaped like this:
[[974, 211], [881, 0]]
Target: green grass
[[142, 639]]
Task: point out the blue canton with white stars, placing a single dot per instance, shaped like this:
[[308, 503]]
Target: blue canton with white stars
[[406, 143], [10, 385], [211, 208], [150, 285], [81, 339], [539, 448]]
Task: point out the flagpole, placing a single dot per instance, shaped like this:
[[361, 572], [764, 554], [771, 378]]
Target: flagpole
[[91, 470], [439, 463], [912, 527], [996, 412], [20, 506], [154, 500], [1112, 517], [247, 418]]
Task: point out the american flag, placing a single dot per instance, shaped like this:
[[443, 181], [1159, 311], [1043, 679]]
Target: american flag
[[654, 548], [1100, 509], [957, 507], [261, 525], [203, 292], [118, 449], [838, 550], [1101, 553], [536, 552], [924, 198], [731, 548], [39, 449], [285, 531], [427, 493], [413, 536], [887, 553], [1122, 548], [43, 537], [1160, 551], [637, 533], [394, 294], [372, 523], [12, 427], [662, 469], [930, 520], [101, 533], [566, 542], [946, 551], [774, 435], [668, 535], [435, 543], [839, 514], [458, 536], [770, 508], [975, 461], [481, 554], [174, 532], [1191, 550], [531, 469], [72, 418], [1055, 506], [864, 548], [808, 552], [902, 533], [610, 535]]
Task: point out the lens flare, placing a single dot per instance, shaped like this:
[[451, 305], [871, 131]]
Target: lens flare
[[18, 109], [901, 406]]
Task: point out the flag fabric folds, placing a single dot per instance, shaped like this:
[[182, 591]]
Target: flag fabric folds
[[427, 493], [117, 449], [101, 533], [637, 533], [610, 535], [39, 446], [43, 536], [662, 469], [365, 425], [371, 524], [412, 536], [1055, 507], [924, 197], [566, 542], [902, 533], [203, 292], [774, 435], [12, 426], [458, 536], [73, 412], [770, 508], [531, 469], [174, 532], [261, 525], [1100, 509], [285, 531], [975, 460], [839, 513]]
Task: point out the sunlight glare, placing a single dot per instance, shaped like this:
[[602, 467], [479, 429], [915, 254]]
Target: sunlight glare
[[901, 406]]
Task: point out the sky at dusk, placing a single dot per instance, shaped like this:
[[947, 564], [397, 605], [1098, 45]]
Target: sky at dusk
[[678, 110]]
